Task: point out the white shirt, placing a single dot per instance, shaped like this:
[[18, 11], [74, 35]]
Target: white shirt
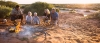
[[28, 18]]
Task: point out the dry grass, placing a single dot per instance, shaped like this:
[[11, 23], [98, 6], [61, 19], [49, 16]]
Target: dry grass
[[94, 16]]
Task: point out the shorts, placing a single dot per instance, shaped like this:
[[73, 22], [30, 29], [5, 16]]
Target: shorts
[[28, 22], [36, 22]]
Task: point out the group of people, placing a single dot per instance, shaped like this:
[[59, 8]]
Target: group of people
[[32, 20], [48, 15]]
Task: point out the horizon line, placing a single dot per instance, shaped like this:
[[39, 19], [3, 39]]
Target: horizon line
[[65, 3]]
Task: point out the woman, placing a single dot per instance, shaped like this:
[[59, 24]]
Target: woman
[[46, 16]]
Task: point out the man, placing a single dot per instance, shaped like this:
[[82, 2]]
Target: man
[[54, 17], [16, 14]]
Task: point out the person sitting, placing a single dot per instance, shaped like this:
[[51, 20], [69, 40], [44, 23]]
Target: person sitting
[[47, 15], [29, 18], [54, 17], [16, 13], [36, 19]]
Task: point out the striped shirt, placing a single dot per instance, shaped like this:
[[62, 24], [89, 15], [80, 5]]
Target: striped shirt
[[14, 11]]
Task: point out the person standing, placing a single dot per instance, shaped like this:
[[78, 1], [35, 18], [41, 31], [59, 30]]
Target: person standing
[[54, 17], [16, 14]]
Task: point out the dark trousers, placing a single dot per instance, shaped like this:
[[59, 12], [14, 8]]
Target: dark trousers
[[14, 17]]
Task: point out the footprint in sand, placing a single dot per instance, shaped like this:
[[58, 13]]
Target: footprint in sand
[[57, 38]]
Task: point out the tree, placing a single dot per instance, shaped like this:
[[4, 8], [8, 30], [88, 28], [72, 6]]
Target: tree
[[11, 4], [38, 7], [8, 3], [5, 11], [6, 7], [2, 0]]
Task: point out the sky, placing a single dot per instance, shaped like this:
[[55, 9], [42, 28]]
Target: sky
[[57, 1]]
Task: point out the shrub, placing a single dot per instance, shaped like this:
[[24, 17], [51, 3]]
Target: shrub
[[38, 7], [62, 9], [98, 10], [57, 10], [4, 11], [94, 16], [11, 4], [8, 4], [23, 7], [87, 11], [27, 8], [72, 11]]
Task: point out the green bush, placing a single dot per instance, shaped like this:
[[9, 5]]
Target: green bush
[[4, 11], [57, 10], [23, 7], [72, 11], [11, 4], [87, 11], [27, 8], [38, 7], [8, 4]]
